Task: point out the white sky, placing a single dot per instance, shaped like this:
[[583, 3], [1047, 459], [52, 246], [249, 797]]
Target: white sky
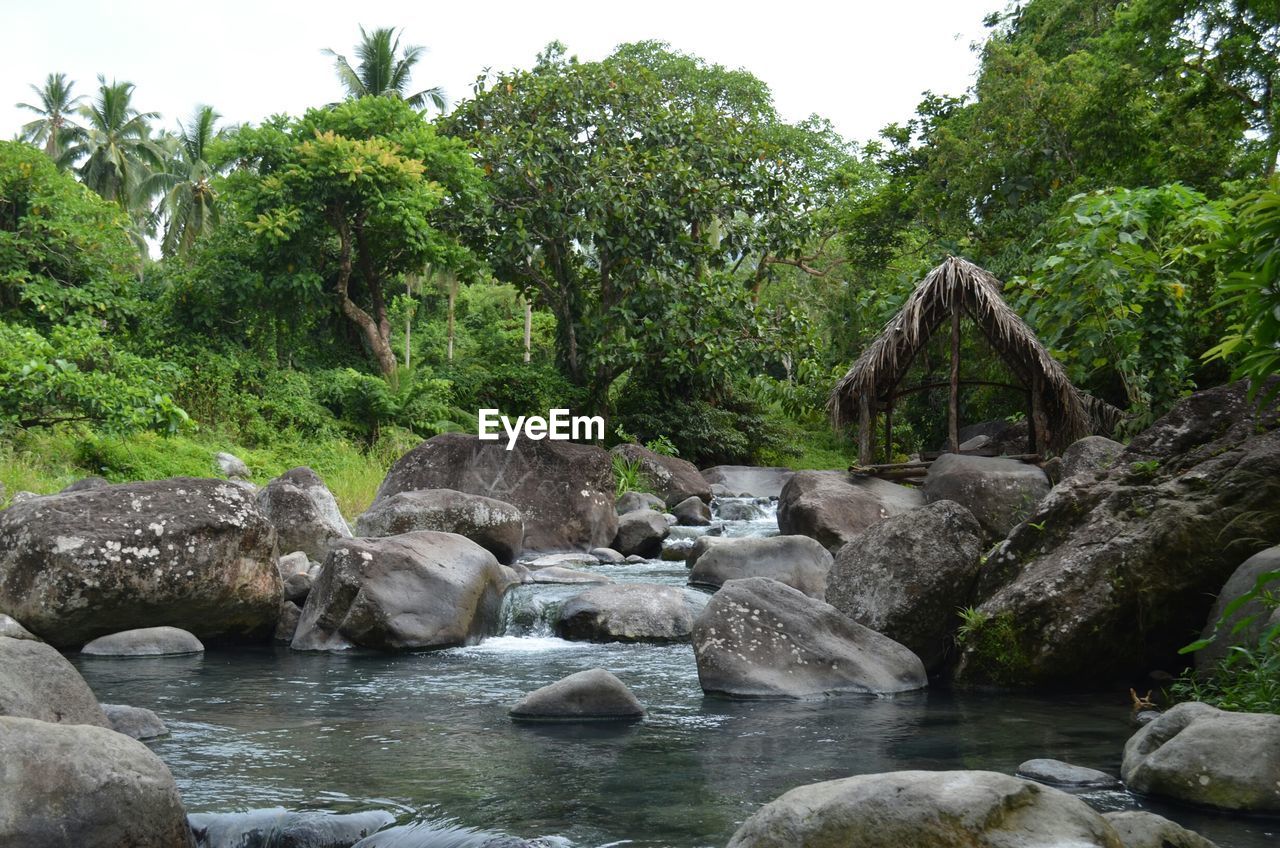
[[861, 64]]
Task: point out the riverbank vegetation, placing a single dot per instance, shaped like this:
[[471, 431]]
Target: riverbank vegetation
[[642, 237]]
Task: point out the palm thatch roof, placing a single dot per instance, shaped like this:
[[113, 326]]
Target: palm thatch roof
[[959, 286]]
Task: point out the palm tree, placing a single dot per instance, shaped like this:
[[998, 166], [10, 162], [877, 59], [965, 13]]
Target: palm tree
[[54, 128], [116, 145], [380, 73], [189, 203]]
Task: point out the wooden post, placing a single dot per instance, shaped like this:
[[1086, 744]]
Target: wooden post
[[953, 403], [888, 432], [864, 431], [1038, 428]]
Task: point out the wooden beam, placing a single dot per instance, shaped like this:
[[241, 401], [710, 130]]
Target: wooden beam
[[864, 430], [953, 403], [940, 384]]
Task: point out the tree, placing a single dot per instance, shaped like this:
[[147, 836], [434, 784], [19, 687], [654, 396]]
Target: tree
[[54, 128], [189, 202], [344, 202], [382, 71], [116, 147]]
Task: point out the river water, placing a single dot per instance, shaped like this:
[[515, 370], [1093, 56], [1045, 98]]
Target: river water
[[427, 736]]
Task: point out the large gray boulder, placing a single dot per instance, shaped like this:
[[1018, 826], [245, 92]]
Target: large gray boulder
[[1089, 455], [1140, 829], [492, 524], [671, 478], [594, 694], [835, 506], [753, 480], [304, 512], [692, 512], [628, 612], [1000, 492], [1224, 633], [144, 642], [37, 682], [277, 827], [77, 786], [186, 552], [1203, 755], [926, 809], [1112, 571], [416, 590], [640, 533], [906, 577], [10, 627], [632, 501], [798, 561], [564, 491], [758, 638], [135, 722]]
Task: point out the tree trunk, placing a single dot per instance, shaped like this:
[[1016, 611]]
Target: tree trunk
[[528, 330], [378, 344], [453, 296]]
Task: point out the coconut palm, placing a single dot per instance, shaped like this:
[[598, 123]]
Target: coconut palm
[[382, 71], [54, 129], [116, 146], [189, 203]]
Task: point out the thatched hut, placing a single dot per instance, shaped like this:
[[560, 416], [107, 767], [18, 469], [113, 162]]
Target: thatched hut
[[957, 289]]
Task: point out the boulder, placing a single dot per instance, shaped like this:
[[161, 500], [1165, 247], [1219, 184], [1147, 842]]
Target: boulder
[[434, 834], [231, 465], [1239, 583], [1089, 455], [567, 576], [11, 628], [76, 786], [297, 587], [37, 682], [22, 497], [1201, 755], [628, 612], [798, 561], [144, 642], [906, 577], [287, 626], [186, 552], [563, 560], [632, 501], [607, 556], [739, 509], [1067, 776], [700, 546], [758, 638], [835, 506], [304, 512], [86, 484], [293, 563], [692, 512], [750, 480], [280, 828], [640, 533], [416, 590], [926, 809], [673, 479], [1000, 492], [135, 722], [492, 524], [1140, 829], [563, 490], [1108, 576], [594, 694]]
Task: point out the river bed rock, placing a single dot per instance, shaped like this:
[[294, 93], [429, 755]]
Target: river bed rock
[[628, 612], [144, 642], [591, 695], [135, 722], [758, 638], [1000, 492], [673, 479], [304, 512], [1066, 775], [692, 512], [39, 683], [280, 828], [640, 533], [1140, 829], [1089, 455], [632, 501], [10, 627], [494, 525], [798, 561], [1225, 633], [835, 506]]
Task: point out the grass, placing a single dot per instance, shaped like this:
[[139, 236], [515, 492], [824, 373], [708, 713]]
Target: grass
[[818, 449]]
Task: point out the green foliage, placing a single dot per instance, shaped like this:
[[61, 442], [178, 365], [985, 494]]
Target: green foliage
[[993, 647], [629, 476]]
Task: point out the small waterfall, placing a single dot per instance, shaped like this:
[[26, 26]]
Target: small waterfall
[[531, 609]]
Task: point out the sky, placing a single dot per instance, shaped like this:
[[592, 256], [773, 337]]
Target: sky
[[860, 64]]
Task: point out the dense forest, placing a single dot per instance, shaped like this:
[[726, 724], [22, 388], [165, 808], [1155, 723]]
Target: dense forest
[[641, 237]]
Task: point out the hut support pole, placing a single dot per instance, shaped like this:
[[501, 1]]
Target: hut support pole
[[1038, 426], [864, 431], [953, 402], [888, 432]]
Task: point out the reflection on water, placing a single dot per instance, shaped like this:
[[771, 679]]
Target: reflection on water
[[427, 736]]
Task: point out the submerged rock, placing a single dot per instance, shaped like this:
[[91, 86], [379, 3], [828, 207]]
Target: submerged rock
[[144, 642], [76, 786], [628, 612], [37, 682], [1000, 492], [135, 722], [798, 561], [926, 809], [672, 478], [1140, 829], [594, 694], [304, 512], [1067, 776], [835, 506], [280, 828], [758, 638], [640, 533], [494, 525]]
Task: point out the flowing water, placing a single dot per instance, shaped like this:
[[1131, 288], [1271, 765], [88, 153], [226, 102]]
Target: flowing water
[[427, 737]]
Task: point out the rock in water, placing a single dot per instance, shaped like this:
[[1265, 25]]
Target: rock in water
[[835, 506], [76, 786], [1000, 492], [1111, 573], [906, 577], [491, 524], [1202, 755], [692, 512], [1067, 776], [280, 828], [594, 694], [798, 561], [145, 642], [758, 638], [632, 501], [752, 480], [287, 626], [415, 590], [135, 722], [1140, 829], [186, 552], [37, 682], [304, 512], [628, 612], [673, 479], [641, 532], [926, 809], [563, 490], [1089, 455], [1250, 632]]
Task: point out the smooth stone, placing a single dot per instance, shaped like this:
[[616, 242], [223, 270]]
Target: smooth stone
[[1066, 775], [607, 555], [231, 465], [567, 576], [293, 563], [495, 525], [594, 694], [135, 722], [566, 560], [632, 501], [640, 533], [692, 512], [1140, 829], [835, 506], [37, 682], [10, 627], [798, 561], [287, 626], [628, 612], [304, 512], [280, 828], [1000, 492], [144, 642]]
